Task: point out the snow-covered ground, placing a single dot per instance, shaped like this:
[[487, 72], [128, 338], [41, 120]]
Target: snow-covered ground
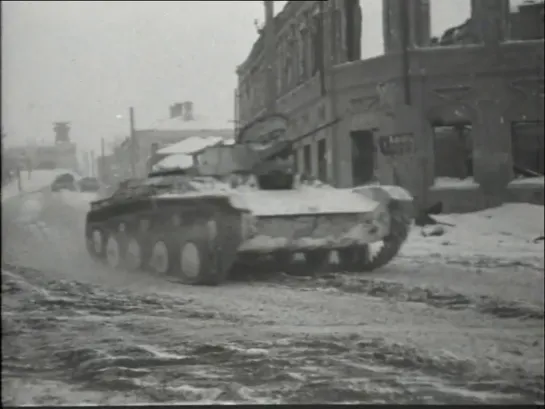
[[502, 234], [456, 318], [33, 182]]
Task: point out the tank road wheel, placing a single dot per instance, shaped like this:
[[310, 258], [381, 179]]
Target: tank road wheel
[[162, 260], [366, 258], [96, 244], [200, 253], [114, 251], [135, 255]]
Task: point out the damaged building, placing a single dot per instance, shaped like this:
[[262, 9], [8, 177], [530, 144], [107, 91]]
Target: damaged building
[[466, 106]]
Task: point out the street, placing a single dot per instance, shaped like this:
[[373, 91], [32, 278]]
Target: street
[[448, 321]]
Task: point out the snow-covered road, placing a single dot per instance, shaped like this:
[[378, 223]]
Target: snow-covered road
[[456, 318]]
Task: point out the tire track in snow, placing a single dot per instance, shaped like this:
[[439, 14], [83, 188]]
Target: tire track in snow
[[104, 340]]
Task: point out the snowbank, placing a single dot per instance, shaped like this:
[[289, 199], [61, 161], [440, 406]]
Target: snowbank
[[537, 181], [502, 233], [453, 183]]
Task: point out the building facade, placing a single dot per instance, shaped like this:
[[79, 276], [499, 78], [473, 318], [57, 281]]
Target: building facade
[[394, 118], [181, 123]]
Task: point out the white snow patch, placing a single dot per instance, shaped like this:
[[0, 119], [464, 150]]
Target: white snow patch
[[179, 161], [537, 181], [503, 233], [191, 145], [453, 183], [305, 200]]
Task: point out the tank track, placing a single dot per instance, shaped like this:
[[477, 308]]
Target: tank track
[[400, 222]]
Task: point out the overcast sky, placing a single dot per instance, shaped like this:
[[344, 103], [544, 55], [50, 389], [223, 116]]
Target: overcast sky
[[87, 62]]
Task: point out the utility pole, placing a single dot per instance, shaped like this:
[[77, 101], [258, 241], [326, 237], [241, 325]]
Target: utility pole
[[132, 142], [93, 163], [270, 56], [102, 169], [237, 106], [405, 28]]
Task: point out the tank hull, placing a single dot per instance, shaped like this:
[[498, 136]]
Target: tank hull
[[317, 231], [200, 236]]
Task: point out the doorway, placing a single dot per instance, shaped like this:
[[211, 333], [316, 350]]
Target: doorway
[[363, 156]]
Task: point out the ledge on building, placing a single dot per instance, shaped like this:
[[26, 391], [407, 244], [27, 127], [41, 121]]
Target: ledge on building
[[465, 196]]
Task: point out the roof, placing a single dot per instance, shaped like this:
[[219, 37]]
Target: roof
[[191, 145]]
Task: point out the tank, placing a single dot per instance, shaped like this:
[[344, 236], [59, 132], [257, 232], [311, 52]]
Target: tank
[[243, 204]]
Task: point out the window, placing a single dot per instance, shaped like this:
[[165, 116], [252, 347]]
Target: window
[[352, 36], [322, 160], [451, 23], [287, 72], [528, 149], [337, 26], [279, 66], [453, 152], [303, 34], [291, 57], [317, 43], [307, 159], [526, 19]]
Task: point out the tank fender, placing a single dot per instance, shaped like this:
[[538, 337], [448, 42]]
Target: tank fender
[[384, 193], [390, 196], [237, 201], [248, 227]]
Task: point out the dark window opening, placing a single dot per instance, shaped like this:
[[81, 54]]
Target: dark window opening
[[352, 11], [322, 160], [528, 149], [453, 148], [363, 157], [307, 160], [336, 23], [317, 44], [526, 21], [295, 161]]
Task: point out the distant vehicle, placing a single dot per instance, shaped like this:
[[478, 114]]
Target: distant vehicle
[[89, 184], [66, 181]]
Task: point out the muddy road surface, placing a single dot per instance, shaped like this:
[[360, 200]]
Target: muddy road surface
[[421, 330]]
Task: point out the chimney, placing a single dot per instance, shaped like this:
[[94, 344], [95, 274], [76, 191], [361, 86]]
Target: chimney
[[188, 111], [62, 131], [176, 110]]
